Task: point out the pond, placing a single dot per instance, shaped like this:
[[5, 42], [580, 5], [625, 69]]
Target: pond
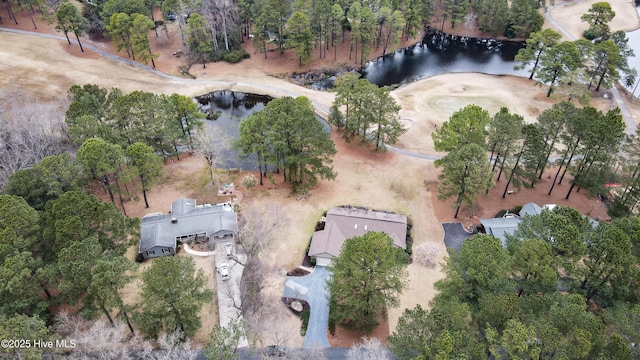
[[440, 53], [226, 109]]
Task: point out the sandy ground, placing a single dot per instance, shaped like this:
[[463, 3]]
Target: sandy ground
[[45, 69], [565, 15]]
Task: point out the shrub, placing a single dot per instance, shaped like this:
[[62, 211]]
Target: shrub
[[139, 258], [509, 31], [305, 321], [235, 56], [591, 33], [313, 261], [427, 255], [249, 181]]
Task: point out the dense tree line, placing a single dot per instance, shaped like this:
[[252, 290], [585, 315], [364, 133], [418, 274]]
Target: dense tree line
[[123, 137], [60, 245], [160, 121], [216, 29], [562, 288], [587, 143]]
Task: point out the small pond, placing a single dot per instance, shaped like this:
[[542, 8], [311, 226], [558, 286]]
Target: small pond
[[227, 109], [440, 53]]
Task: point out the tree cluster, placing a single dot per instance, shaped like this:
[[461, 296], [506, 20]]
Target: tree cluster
[[586, 140], [601, 60], [287, 136], [160, 121], [130, 32], [61, 245], [362, 109], [73, 246], [563, 288]]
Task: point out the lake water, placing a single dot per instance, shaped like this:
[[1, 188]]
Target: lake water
[[440, 53]]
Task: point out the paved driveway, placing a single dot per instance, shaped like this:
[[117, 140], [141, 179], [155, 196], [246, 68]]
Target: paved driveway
[[454, 235], [311, 288]]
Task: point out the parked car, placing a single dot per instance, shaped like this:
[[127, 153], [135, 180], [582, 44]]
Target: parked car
[[276, 350], [171, 16], [224, 271], [228, 250]]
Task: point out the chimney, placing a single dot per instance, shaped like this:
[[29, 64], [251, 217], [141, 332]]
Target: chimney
[[174, 220]]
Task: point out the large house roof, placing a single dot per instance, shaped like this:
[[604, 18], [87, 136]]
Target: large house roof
[[344, 223], [500, 227], [186, 218]]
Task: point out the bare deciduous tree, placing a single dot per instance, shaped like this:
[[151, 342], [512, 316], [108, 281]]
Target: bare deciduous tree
[[211, 143], [371, 349], [172, 347], [269, 326], [427, 255], [99, 340], [222, 16], [258, 226], [249, 298], [29, 131], [93, 340]]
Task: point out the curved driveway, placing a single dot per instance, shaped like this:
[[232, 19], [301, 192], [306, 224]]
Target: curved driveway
[[311, 288]]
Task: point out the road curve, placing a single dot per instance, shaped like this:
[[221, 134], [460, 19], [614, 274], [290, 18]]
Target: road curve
[[229, 84]]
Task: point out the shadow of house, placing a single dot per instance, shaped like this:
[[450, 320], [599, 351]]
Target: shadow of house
[[160, 233], [343, 223]]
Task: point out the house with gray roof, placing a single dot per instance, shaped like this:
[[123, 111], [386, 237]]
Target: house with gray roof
[[507, 225], [500, 227], [343, 223], [160, 233]]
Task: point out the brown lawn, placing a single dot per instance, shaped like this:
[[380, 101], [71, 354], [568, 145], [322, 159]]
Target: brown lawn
[[45, 69]]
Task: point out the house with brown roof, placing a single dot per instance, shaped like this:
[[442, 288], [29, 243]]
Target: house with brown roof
[[343, 223]]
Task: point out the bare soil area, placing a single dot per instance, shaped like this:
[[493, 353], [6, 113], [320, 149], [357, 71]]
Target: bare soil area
[[45, 69], [489, 206], [567, 15], [345, 338]]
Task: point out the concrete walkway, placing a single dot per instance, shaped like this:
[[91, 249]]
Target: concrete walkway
[[311, 288], [197, 253]]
